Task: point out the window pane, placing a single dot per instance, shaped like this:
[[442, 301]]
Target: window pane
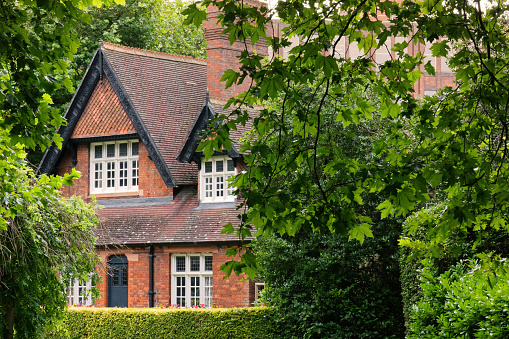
[[208, 292], [110, 174], [208, 187], [98, 175], [231, 168], [135, 172], [110, 150], [208, 263], [125, 275], [134, 148], [122, 173], [98, 151], [195, 264], [219, 186], [113, 174], [219, 166], [208, 167], [122, 150], [195, 291], [114, 276], [198, 291], [181, 291], [181, 264]]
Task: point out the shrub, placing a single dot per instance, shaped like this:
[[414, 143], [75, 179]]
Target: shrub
[[324, 286], [463, 302], [416, 278], [111, 323]]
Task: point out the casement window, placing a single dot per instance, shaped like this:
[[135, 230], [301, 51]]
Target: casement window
[[214, 184], [258, 288], [78, 293], [114, 166], [191, 284]]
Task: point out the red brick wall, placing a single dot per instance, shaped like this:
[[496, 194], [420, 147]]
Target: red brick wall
[[150, 183], [236, 291], [162, 279], [150, 180], [232, 292]]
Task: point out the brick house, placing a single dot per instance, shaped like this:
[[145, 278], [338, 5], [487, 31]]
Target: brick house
[[133, 128]]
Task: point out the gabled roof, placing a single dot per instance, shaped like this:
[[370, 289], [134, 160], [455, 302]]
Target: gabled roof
[[160, 93], [188, 151], [178, 222]]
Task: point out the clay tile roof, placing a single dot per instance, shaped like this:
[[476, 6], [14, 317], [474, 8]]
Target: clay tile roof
[[149, 53], [168, 93], [179, 222]]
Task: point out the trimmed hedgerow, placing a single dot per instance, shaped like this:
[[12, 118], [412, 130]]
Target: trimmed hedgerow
[[114, 323]]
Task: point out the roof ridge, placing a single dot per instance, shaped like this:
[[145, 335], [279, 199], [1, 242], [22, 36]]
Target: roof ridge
[[150, 53]]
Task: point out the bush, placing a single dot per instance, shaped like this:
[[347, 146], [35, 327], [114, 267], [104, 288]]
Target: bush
[[111, 323], [416, 277], [324, 286], [464, 302]]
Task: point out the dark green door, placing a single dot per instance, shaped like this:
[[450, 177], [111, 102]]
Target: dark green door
[[118, 281]]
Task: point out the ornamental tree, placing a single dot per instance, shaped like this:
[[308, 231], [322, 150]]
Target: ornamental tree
[[453, 145]]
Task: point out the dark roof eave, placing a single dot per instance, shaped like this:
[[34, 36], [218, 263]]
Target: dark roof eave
[[144, 244]]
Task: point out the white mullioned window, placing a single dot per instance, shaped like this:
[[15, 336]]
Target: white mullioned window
[[114, 166], [78, 293], [191, 283], [214, 184]]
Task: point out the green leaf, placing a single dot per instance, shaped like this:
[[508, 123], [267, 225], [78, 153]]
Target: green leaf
[[360, 232], [387, 208], [230, 76], [428, 67]]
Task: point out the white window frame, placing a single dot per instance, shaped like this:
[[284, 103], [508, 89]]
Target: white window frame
[[258, 288], [205, 291], [215, 185], [78, 293], [100, 177]]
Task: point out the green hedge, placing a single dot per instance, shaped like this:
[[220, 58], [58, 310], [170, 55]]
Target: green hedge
[[102, 323]]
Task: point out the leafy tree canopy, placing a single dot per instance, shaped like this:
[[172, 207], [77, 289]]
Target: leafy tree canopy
[[44, 238], [156, 25], [38, 39], [451, 147]]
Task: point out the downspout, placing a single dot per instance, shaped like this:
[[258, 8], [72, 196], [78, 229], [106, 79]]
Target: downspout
[[151, 292]]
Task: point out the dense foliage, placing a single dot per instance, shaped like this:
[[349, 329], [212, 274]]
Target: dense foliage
[[325, 286], [38, 39], [420, 280], [322, 284], [162, 323], [455, 143], [44, 238], [467, 301]]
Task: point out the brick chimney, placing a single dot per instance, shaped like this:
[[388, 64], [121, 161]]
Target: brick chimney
[[222, 56]]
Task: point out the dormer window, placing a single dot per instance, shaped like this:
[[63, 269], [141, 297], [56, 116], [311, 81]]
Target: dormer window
[[214, 184], [114, 166]]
